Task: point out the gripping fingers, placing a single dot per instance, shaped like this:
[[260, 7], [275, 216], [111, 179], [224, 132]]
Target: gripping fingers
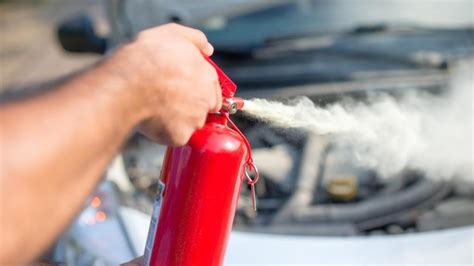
[[214, 92], [218, 91]]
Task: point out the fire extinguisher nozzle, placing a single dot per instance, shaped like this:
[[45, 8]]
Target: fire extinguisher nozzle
[[232, 105], [239, 102]]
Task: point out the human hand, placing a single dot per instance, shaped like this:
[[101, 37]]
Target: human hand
[[171, 82]]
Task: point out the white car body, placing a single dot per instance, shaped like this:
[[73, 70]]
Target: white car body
[[447, 247]]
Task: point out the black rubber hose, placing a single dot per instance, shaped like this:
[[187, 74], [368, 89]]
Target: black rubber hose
[[369, 209], [406, 216]]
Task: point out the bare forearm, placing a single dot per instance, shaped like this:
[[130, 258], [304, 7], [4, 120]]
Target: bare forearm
[[54, 149]]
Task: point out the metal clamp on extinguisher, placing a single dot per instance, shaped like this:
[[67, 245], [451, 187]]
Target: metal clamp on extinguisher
[[202, 185]]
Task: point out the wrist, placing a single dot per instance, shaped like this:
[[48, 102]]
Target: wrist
[[129, 101]]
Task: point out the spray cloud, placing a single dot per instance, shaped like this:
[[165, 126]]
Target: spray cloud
[[418, 131]]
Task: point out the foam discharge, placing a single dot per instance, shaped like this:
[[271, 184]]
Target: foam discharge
[[419, 131]]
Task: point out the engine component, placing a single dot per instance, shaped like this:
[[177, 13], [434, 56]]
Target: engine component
[[343, 188]]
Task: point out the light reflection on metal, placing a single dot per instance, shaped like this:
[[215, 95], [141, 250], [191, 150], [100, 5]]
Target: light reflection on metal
[[96, 202], [100, 216]]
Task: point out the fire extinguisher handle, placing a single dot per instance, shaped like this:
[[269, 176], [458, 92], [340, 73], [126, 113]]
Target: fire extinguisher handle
[[227, 85]]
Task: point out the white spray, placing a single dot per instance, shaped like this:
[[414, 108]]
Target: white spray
[[419, 131]]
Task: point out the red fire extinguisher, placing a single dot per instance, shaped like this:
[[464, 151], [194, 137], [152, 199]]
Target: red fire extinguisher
[[202, 185]]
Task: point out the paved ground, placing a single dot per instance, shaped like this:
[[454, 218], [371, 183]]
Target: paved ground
[[29, 52]]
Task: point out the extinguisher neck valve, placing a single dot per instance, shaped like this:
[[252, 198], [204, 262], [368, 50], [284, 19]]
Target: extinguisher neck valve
[[232, 105]]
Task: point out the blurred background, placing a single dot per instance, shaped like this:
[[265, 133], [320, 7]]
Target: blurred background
[[316, 204]]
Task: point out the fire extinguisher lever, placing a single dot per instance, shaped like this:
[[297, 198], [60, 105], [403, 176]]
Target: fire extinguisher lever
[[230, 104], [227, 85]]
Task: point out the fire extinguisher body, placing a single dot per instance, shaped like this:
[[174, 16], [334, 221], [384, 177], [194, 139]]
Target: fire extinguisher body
[[203, 181]]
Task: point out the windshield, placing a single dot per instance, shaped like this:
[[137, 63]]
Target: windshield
[[319, 17]]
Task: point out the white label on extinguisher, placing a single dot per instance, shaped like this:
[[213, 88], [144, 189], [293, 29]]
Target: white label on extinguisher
[[153, 225]]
